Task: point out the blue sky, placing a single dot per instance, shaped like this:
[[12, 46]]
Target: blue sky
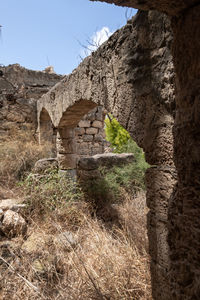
[[36, 33]]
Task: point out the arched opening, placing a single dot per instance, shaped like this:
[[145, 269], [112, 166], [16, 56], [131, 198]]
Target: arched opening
[[47, 132], [80, 133]]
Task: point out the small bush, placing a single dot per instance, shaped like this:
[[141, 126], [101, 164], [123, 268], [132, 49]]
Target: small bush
[[116, 134], [132, 175], [50, 192]]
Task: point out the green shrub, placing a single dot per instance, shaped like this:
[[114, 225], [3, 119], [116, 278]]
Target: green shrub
[[116, 134], [130, 176]]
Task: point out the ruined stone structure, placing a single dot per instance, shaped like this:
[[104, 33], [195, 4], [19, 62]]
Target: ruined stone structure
[[85, 139], [183, 219], [132, 76], [19, 91]]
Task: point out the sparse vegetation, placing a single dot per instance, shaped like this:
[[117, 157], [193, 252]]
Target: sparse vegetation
[[49, 192], [109, 258], [130, 176], [104, 264], [18, 153]]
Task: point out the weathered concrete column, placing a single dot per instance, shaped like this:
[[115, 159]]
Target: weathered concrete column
[[184, 214]]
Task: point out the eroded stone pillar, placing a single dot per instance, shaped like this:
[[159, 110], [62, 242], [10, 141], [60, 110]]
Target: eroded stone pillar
[[160, 181], [184, 213], [66, 149], [47, 133]]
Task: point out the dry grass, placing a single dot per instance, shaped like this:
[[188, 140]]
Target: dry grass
[[18, 153], [105, 264], [109, 259]]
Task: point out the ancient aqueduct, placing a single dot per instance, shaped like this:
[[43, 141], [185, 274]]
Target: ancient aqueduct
[[148, 75]]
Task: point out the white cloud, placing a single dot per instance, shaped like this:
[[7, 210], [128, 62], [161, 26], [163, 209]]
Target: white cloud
[[93, 43]]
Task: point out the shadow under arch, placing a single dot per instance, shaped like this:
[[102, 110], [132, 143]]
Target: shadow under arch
[[75, 113]]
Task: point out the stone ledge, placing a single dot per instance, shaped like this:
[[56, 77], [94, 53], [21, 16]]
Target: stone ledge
[[106, 159]]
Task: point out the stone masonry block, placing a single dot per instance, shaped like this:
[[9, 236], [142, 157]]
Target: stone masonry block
[[66, 146], [83, 148], [79, 131], [91, 115], [87, 138], [84, 151], [91, 130], [97, 150], [97, 124], [99, 114], [84, 123], [66, 133], [67, 161], [98, 138]]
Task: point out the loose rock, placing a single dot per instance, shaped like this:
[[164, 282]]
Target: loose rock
[[13, 224]]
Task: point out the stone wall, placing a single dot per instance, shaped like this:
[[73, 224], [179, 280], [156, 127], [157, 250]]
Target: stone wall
[[87, 139], [90, 133], [20, 90], [182, 222]]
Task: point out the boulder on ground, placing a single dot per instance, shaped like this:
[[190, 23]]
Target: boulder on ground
[[45, 164], [12, 204], [67, 240], [13, 224]]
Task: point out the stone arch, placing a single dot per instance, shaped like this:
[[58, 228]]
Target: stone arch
[[47, 132], [132, 75], [79, 133]]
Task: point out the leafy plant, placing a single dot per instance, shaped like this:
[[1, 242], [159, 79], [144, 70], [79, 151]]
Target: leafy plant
[[116, 134], [130, 176]]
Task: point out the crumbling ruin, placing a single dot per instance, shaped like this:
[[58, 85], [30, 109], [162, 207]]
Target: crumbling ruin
[[19, 91], [147, 75], [183, 273], [131, 76]]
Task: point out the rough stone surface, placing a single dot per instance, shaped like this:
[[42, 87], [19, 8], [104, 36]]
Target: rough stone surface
[[106, 159], [130, 75], [184, 210], [171, 7], [67, 161], [97, 124], [88, 167], [84, 123], [20, 89], [45, 164], [13, 224], [92, 130], [1, 214], [82, 139], [183, 223], [10, 204]]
